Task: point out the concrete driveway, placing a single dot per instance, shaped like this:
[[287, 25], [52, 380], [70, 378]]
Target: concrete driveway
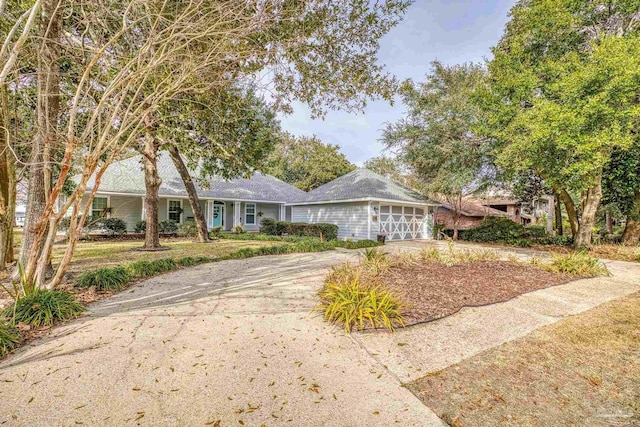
[[232, 341], [237, 341]]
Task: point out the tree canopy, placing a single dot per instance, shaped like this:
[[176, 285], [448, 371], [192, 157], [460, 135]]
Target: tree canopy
[[306, 162]]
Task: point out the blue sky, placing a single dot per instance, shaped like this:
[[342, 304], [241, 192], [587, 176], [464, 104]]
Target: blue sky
[[448, 31]]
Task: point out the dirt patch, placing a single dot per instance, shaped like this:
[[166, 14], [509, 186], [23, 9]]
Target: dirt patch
[[435, 290], [582, 371]]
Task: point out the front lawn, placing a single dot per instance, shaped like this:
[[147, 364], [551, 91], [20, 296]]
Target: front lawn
[[582, 371]]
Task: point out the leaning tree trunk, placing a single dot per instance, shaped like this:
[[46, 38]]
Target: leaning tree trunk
[[47, 111], [152, 183], [631, 235], [194, 200], [558, 213], [572, 213], [7, 184], [591, 204]]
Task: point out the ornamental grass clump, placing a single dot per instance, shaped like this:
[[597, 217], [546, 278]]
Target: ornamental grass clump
[[578, 263], [142, 268], [9, 337], [43, 307], [115, 278], [375, 261], [352, 298]]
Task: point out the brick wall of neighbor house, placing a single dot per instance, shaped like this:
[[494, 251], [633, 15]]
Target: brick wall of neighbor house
[[444, 216]]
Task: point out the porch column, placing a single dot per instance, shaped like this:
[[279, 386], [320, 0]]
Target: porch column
[[208, 214], [236, 213], [144, 210], [283, 213]]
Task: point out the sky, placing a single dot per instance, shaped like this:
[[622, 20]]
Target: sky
[[452, 32]]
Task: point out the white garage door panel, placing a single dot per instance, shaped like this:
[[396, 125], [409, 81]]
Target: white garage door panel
[[403, 222]]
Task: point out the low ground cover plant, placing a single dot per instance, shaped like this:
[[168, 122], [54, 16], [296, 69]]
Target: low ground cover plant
[[9, 337], [115, 278], [167, 226], [43, 307]]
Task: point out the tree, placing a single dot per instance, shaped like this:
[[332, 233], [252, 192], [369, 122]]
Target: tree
[[306, 162], [436, 138], [562, 96], [133, 56], [621, 187], [394, 169], [228, 134]]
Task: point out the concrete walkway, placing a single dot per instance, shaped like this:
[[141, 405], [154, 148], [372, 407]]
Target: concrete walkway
[[236, 341]]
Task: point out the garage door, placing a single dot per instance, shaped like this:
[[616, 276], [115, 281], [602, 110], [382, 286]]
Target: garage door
[[404, 222]]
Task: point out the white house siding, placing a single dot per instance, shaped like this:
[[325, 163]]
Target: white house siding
[[269, 210], [351, 218], [127, 208]]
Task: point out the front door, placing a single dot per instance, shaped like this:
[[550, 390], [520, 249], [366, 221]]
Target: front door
[[218, 213]]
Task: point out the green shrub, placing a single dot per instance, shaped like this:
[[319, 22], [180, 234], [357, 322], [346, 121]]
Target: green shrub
[[578, 263], [328, 231], [351, 299], [269, 226], [114, 278], [142, 268], [495, 229], [535, 231], [215, 232], [168, 226], [188, 229], [43, 307], [9, 337], [237, 229], [114, 226], [141, 226]]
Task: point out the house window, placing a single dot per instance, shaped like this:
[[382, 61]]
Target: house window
[[99, 206], [175, 210], [250, 213]]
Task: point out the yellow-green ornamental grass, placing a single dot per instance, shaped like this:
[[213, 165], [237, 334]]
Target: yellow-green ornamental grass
[[353, 296]]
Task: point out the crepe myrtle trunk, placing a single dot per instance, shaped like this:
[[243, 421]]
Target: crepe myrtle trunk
[[7, 184], [152, 183], [194, 200], [631, 235], [591, 203], [47, 112]]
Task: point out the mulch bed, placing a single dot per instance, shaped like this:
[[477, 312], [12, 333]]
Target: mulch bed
[[434, 291]]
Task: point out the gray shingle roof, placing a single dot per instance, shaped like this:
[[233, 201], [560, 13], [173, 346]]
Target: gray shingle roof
[[362, 184], [127, 177]]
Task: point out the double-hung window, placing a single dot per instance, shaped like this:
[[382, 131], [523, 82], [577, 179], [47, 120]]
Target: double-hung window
[[175, 210], [99, 206], [250, 213]]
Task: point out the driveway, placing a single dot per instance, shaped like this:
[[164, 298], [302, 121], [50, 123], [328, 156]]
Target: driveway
[[233, 341], [237, 341]]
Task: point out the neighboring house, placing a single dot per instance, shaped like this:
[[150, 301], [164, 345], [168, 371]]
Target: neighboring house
[[470, 214], [225, 202], [364, 204], [21, 213]]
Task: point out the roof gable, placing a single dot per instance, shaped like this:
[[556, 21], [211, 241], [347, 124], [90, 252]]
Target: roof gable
[[362, 184]]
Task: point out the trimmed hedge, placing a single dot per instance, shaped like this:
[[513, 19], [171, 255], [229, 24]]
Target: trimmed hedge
[[188, 229], [278, 228], [504, 230]]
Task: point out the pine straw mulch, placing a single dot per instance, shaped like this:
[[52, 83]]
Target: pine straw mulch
[[434, 290], [581, 371]]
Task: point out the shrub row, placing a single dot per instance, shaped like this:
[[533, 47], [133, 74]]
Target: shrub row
[[504, 230], [278, 228], [43, 307], [10, 337]]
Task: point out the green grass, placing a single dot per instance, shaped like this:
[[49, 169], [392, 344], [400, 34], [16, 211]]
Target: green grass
[[578, 263], [43, 307], [9, 337], [110, 278], [352, 299]]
